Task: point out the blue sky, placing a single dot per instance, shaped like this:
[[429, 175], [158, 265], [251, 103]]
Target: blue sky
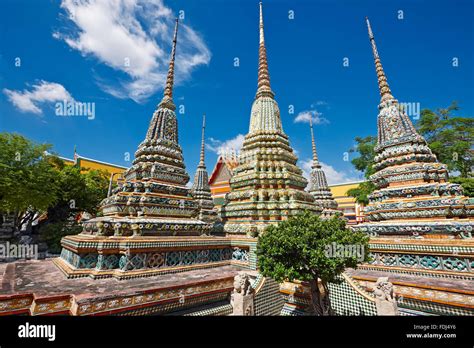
[[79, 49]]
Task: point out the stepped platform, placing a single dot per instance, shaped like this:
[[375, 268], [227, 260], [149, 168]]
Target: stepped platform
[[38, 287], [432, 295]]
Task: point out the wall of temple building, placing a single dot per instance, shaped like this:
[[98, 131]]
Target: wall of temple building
[[219, 181], [352, 211], [93, 164]]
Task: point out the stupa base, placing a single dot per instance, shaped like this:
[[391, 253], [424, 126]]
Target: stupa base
[[422, 294], [146, 226], [37, 287], [141, 256], [248, 228], [458, 228]]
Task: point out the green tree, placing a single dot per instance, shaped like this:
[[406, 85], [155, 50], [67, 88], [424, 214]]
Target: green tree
[[366, 149], [451, 138], [364, 162], [466, 183], [79, 192], [28, 178], [297, 249], [361, 193], [53, 232], [33, 182]]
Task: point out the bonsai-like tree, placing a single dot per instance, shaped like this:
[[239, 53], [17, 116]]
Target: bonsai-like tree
[[307, 248]]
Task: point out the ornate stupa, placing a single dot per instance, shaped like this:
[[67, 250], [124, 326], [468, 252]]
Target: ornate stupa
[[200, 189], [144, 218], [318, 185], [154, 198], [266, 186], [420, 224], [413, 195]]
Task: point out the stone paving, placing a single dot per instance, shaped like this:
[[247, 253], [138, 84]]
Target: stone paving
[[43, 278]]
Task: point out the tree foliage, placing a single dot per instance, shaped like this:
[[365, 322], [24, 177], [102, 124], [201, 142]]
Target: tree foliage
[[79, 192], [28, 180], [361, 193], [451, 138], [33, 182], [466, 183], [295, 249], [52, 233], [366, 149]]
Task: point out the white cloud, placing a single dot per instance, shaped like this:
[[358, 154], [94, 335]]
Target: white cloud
[[134, 37], [305, 116], [319, 103], [42, 93], [332, 175], [227, 146]]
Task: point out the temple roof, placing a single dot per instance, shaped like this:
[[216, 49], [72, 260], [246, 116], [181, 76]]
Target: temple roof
[[222, 169]]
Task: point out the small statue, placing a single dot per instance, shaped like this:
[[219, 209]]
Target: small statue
[[384, 289], [242, 298], [384, 298], [242, 284]]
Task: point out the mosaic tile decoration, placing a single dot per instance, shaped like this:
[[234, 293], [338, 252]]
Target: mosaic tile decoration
[[221, 310], [448, 263], [289, 310], [169, 308], [432, 308], [267, 186], [418, 272], [428, 248], [345, 300], [268, 300], [149, 256], [412, 313]]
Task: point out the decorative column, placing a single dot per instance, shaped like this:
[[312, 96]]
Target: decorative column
[[242, 299]]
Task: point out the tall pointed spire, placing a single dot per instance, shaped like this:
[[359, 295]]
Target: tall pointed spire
[[394, 125], [163, 124], [76, 156], [201, 157], [168, 93], [263, 74], [318, 184], [265, 114], [266, 185], [385, 92], [313, 143], [200, 189]]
